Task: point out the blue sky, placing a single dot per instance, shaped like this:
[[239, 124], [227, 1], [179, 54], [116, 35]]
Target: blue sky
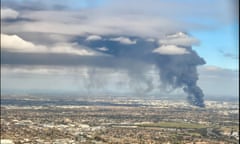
[[51, 42], [224, 39]]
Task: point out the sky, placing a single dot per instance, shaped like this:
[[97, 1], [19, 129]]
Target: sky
[[160, 47]]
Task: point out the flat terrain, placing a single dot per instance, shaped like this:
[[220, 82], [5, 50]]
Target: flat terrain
[[33, 120]]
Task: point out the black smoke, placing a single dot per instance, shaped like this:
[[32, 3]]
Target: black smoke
[[180, 71], [176, 71]]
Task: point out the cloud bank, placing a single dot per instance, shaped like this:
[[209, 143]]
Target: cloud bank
[[7, 13], [13, 43]]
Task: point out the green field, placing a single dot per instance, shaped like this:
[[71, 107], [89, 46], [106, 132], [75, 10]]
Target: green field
[[178, 125]]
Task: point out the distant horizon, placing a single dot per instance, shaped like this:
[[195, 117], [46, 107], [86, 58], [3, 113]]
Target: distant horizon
[[75, 94]]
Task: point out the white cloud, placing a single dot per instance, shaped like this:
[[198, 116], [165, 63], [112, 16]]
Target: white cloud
[[126, 18], [15, 43], [150, 40], [69, 48], [177, 35], [170, 50], [103, 49], [27, 70], [96, 22], [124, 40], [179, 39], [7, 13], [211, 68], [93, 38], [43, 70], [56, 37]]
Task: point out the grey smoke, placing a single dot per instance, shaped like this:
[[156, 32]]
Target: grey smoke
[[181, 71], [176, 71]]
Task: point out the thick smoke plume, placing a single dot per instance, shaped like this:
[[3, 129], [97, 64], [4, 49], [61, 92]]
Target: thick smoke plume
[[177, 69], [173, 56], [180, 71]]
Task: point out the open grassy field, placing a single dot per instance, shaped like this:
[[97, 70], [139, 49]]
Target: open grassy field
[[182, 125]]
